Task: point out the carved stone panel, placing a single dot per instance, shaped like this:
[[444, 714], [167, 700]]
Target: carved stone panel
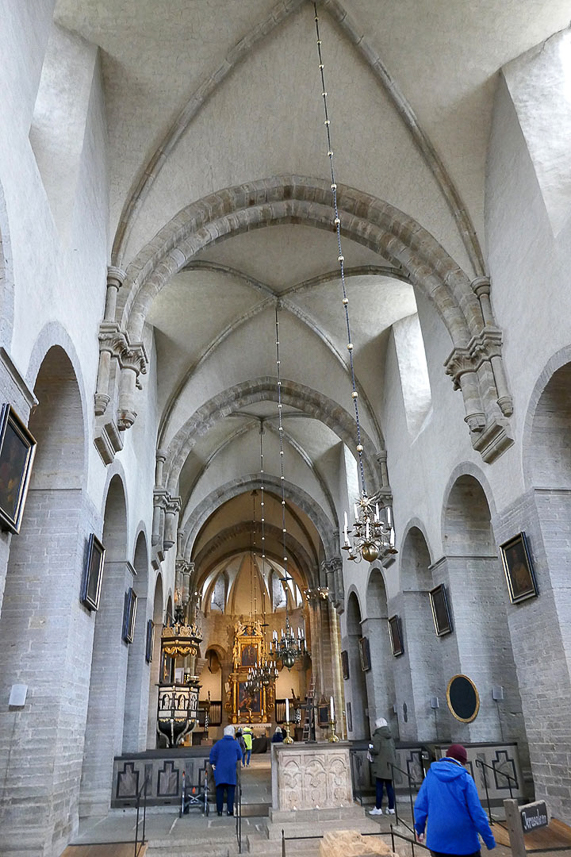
[[315, 776]]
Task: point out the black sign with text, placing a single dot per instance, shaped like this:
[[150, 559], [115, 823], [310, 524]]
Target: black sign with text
[[534, 815]]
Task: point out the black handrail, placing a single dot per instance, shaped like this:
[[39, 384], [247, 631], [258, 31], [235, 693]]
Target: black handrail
[[412, 842], [141, 793], [411, 782], [484, 765], [357, 794], [238, 811]]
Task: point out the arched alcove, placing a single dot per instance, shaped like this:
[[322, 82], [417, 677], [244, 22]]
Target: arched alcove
[[356, 693], [45, 634], [380, 679], [420, 677], [105, 714], [480, 644], [137, 693]]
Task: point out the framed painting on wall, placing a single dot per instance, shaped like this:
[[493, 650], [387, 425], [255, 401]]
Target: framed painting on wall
[[129, 615], [440, 610], [150, 641], [17, 450], [92, 573], [518, 569], [365, 653], [395, 634], [345, 664]]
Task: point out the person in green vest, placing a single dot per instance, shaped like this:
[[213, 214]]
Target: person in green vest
[[247, 736]]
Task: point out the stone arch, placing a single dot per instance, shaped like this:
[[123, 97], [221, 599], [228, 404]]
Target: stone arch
[[480, 645], [545, 516], [54, 339], [365, 219], [137, 691], [110, 658], [420, 678], [209, 556], [475, 363], [155, 665], [200, 514], [296, 395], [356, 692], [43, 583], [6, 277], [380, 680]]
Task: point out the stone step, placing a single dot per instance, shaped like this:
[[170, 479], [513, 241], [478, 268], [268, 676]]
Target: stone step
[[341, 813], [319, 827]]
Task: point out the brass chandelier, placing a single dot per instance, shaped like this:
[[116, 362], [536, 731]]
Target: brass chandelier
[[372, 533]]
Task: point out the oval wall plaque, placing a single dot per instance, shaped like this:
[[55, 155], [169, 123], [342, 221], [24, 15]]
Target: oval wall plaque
[[462, 698]]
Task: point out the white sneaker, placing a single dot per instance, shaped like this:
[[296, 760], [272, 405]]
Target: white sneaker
[[375, 811], [391, 811]]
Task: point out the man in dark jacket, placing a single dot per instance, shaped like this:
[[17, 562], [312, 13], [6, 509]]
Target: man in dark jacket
[[223, 758], [449, 799], [382, 750]]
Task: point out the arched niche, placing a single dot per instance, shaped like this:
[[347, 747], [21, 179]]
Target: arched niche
[[356, 687], [45, 633], [106, 709], [418, 673], [379, 679], [137, 693], [155, 665], [480, 645]]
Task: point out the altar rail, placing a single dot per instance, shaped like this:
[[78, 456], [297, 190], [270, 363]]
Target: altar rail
[[415, 760], [163, 770]]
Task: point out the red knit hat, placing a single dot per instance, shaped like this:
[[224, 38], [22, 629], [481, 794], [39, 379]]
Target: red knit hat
[[458, 752]]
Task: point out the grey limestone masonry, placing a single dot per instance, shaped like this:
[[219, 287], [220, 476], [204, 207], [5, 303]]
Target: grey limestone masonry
[[540, 648], [45, 643]]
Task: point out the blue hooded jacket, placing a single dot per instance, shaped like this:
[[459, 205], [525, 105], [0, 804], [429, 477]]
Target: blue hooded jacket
[[448, 797], [224, 756]]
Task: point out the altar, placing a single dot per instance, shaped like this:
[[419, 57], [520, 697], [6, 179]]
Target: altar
[[246, 707], [311, 776]]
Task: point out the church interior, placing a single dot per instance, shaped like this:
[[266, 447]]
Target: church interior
[[285, 380]]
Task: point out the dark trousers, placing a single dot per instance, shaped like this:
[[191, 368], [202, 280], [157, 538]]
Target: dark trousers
[[246, 759], [229, 796], [441, 854], [390, 792]]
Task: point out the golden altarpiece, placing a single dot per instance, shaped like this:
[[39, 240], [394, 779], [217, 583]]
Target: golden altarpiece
[[242, 704]]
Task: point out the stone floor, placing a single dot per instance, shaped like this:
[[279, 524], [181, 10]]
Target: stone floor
[[195, 835]]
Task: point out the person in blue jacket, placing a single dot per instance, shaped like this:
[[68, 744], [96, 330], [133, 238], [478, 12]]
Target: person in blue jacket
[[224, 756], [449, 800]]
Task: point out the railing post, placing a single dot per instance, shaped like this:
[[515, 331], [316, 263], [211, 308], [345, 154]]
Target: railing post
[[144, 810], [283, 844], [482, 766]]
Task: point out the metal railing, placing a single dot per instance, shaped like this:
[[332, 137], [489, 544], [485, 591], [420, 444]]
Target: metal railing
[[392, 834], [412, 842], [141, 794], [411, 783], [483, 766], [238, 811]]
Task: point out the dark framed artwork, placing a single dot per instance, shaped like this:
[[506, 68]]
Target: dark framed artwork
[[17, 450], [440, 610], [349, 716], [395, 634], [129, 615], [518, 569], [92, 573], [150, 641], [463, 698], [365, 654], [323, 714], [345, 664]]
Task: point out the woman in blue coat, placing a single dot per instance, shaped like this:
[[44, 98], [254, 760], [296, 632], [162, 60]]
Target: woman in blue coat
[[224, 756], [449, 800]]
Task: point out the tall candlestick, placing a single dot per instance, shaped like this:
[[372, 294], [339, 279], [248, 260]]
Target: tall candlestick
[[287, 710], [332, 708]]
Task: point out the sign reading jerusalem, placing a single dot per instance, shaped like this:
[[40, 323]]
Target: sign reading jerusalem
[[534, 815]]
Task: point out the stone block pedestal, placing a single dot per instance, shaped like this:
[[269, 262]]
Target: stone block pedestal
[[311, 776]]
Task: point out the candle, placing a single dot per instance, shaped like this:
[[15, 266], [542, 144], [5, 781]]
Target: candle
[[356, 513], [287, 710], [367, 530], [376, 511], [331, 707], [389, 516]]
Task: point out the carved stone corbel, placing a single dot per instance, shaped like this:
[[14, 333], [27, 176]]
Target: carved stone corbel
[[172, 508], [332, 570]]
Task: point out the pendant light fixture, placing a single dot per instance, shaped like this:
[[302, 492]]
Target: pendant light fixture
[[372, 534]]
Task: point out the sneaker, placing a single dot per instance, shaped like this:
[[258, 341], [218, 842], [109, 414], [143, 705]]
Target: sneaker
[[391, 811], [376, 811]]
